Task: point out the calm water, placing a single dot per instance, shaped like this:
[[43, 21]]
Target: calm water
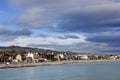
[[76, 71]]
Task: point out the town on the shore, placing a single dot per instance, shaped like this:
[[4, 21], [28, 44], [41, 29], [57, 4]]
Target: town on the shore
[[14, 55]]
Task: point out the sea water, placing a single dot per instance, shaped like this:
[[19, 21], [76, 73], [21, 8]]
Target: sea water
[[75, 71]]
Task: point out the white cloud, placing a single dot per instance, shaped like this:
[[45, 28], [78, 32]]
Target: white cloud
[[49, 40]]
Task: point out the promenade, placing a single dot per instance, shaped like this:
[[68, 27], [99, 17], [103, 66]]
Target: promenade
[[19, 65]]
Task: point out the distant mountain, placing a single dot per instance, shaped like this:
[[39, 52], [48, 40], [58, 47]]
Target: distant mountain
[[19, 49], [2, 47]]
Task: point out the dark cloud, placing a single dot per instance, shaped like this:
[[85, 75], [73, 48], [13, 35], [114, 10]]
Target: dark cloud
[[68, 36], [8, 35], [43, 35], [23, 32], [75, 15], [38, 13], [112, 41], [112, 51], [72, 36], [93, 19]]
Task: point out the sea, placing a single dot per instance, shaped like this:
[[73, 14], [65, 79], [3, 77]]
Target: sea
[[74, 71]]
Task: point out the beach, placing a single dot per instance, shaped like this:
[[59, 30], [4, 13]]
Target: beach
[[19, 65]]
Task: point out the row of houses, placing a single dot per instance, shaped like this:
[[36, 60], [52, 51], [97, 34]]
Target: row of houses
[[36, 57]]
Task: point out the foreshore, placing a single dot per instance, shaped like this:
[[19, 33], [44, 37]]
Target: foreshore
[[3, 66]]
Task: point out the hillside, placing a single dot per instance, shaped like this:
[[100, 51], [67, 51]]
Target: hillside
[[19, 49]]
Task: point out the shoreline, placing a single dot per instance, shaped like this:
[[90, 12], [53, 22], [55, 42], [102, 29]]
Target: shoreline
[[20, 65]]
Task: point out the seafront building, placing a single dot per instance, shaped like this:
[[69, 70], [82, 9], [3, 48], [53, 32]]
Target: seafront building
[[18, 58], [36, 57]]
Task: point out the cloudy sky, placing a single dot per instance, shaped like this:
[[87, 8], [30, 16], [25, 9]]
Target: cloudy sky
[[88, 26]]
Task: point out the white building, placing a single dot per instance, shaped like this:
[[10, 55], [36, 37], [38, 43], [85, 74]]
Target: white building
[[34, 57], [83, 57], [18, 58], [31, 55], [59, 56], [113, 57]]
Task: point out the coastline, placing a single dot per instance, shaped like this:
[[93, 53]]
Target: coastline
[[20, 65]]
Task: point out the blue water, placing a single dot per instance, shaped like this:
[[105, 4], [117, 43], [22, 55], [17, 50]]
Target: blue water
[[76, 71]]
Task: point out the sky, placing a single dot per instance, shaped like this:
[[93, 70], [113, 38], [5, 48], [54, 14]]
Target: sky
[[84, 26]]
